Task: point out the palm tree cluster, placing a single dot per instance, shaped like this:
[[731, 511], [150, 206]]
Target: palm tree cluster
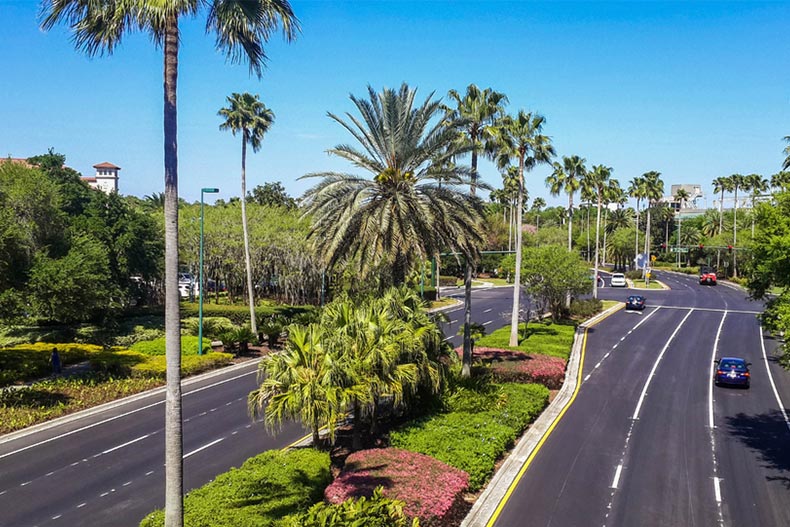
[[359, 357]]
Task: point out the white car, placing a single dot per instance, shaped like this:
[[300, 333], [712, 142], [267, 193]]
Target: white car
[[618, 280]]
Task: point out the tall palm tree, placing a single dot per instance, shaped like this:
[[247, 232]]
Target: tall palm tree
[[473, 116], [757, 184], [510, 184], [249, 116], [654, 191], [721, 184], [520, 140], [781, 181], [537, 205], [241, 30], [567, 178], [786, 151], [737, 181], [597, 180], [613, 193], [637, 190]]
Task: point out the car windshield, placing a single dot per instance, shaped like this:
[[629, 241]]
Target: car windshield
[[618, 276], [729, 364]]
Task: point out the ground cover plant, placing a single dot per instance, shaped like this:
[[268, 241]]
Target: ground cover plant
[[535, 338], [478, 425], [25, 362], [260, 493], [429, 489], [517, 366], [376, 511]]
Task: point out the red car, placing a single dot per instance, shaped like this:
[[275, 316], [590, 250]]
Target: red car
[[707, 277]]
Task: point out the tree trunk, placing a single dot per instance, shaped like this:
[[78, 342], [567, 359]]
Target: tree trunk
[[570, 240], [517, 279], [735, 236], [466, 369], [647, 243], [250, 290], [636, 242], [597, 228], [356, 433], [605, 219], [174, 468]]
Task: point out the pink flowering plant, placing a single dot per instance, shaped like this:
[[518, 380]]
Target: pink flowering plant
[[430, 490], [517, 366]]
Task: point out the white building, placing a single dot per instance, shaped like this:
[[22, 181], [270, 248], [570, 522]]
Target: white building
[[106, 178]]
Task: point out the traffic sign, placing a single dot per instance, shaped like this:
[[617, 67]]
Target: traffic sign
[[653, 258], [679, 249]]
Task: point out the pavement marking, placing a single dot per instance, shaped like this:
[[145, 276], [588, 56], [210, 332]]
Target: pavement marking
[[81, 505], [3, 492], [487, 323], [113, 449], [717, 489], [119, 416], [655, 365], [453, 321], [229, 403], [26, 483], [617, 473], [74, 464], [712, 369], [711, 423], [203, 447], [450, 337], [716, 310], [487, 310], [771, 378], [149, 472], [126, 484], [56, 516], [103, 494], [48, 474]]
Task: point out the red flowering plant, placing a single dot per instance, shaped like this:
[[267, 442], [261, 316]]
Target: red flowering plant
[[431, 490], [517, 366]]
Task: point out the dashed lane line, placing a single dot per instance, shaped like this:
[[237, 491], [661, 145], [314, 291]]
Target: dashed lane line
[[711, 424]]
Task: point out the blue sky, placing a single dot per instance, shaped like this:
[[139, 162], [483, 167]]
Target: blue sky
[[694, 90]]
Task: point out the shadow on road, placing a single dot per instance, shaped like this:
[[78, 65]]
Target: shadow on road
[[767, 435]]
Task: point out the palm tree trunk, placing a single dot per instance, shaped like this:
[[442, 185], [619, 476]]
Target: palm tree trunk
[[721, 212], [174, 468], [570, 240], [735, 236], [597, 228], [647, 242], [466, 369], [588, 232], [517, 278], [250, 290], [636, 242], [605, 219]]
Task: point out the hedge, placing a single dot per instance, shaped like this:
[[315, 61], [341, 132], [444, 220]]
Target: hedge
[[479, 428], [260, 493], [189, 346], [26, 362], [429, 489], [156, 366]]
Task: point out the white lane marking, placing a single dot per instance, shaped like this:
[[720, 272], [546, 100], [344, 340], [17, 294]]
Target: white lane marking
[[712, 370], [717, 489], [587, 378], [81, 505], [48, 474], [149, 472], [56, 516], [126, 484], [26, 483], [228, 404], [234, 432], [113, 449], [487, 310], [771, 378], [103, 494], [655, 365], [487, 323], [3, 492], [119, 416], [615, 346], [616, 479], [74, 464], [450, 337], [213, 410], [203, 447], [202, 414], [453, 321], [622, 338]]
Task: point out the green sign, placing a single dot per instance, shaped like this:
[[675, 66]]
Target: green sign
[[679, 249]]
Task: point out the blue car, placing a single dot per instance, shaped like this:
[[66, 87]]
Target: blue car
[[732, 371]]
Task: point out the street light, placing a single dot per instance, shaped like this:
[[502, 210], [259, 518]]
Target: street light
[[200, 283]]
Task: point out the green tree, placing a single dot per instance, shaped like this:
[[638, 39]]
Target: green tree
[[401, 216], [520, 140], [247, 115], [538, 204], [473, 117], [241, 30], [598, 180], [653, 191], [781, 181], [737, 181], [637, 189], [271, 194], [757, 185], [567, 177], [721, 185]]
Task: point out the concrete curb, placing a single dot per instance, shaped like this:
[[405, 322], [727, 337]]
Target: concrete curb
[[508, 474], [88, 412]]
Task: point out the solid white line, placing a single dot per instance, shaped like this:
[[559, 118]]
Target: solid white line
[[712, 370], [487, 323], [655, 365], [113, 449], [771, 378], [204, 447], [119, 416], [617, 476], [717, 489]]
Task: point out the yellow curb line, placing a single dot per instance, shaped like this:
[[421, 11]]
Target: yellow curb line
[[548, 432]]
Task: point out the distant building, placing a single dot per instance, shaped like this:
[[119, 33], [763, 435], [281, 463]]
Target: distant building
[[106, 178]]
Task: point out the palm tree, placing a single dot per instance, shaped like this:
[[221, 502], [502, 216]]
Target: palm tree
[[681, 196], [241, 31], [736, 181], [597, 180], [613, 193], [786, 151], [248, 115], [567, 177], [721, 184], [757, 184], [473, 117], [637, 190], [401, 216], [521, 140], [781, 181], [537, 205], [654, 190]]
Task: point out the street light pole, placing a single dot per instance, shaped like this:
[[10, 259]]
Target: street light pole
[[200, 283], [678, 243]]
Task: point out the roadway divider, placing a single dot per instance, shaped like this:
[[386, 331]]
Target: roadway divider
[[488, 506]]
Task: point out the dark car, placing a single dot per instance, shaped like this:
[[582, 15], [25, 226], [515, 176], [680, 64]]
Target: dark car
[[733, 371], [635, 302]]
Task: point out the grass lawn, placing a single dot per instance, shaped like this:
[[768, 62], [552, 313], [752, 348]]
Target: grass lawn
[[640, 284], [496, 281], [442, 302], [609, 303], [542, 338]]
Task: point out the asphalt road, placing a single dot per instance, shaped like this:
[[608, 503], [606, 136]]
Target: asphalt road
[[648, 440]]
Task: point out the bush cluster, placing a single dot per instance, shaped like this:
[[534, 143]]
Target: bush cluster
[[26, 362], [429, 489], [516, 366], [189, 346], [585, 308], [375, 511], [260, 493], [479, 432]]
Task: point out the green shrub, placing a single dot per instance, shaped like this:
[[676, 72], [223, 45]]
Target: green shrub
[[239, 314], [633, 275], [189, 346], [585, 308], [448, 281], [261, 493], [213, 327], [156, 365], [376, 511]]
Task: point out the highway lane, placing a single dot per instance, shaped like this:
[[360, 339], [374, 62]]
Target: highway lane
[[636, 448], [108, 468]]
